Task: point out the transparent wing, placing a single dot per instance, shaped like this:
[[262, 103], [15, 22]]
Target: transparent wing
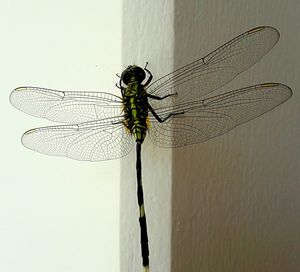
[[100, 140], [211, 117], [66, 107], [216, 69]]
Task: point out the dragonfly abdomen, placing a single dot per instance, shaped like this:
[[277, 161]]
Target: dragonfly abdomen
[[136, 110]]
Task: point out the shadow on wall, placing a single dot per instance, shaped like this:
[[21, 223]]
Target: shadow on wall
[[222, 188]]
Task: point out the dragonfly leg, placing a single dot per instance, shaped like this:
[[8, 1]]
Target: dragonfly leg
[[160, 98], [150, 75], [121, 87], [120, 84], [161, 120]]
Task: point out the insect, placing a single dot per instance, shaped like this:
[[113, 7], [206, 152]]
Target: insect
[[174, 110]]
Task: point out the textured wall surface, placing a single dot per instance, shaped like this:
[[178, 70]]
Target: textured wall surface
[[234, 200]]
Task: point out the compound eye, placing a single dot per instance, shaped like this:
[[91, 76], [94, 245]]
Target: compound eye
[[125, 78], [126, 75], [140, 74], [133, 73]]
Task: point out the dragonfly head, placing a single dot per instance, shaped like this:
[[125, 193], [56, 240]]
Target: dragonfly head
[[133, 73]]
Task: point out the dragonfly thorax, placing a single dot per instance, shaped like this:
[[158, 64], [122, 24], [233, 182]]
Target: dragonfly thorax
[[135, 102], [133, 73]]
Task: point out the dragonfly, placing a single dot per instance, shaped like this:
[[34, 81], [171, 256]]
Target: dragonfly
[[175, 110]]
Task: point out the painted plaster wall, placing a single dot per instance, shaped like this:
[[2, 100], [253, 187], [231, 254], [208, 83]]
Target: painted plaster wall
[[56, 214], [234, 200]]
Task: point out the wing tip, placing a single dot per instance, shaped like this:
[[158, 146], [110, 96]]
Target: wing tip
[[273, 84], [284, 89], [288, 90], [29, 131], [270, 28], [13, 95], [25, 135], [260, 28]]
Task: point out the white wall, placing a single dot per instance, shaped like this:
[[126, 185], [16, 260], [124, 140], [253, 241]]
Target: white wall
[[56, 214], [234, 200]]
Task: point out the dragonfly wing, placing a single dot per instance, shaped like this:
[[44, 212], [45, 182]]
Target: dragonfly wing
[[66, 107], [99, 140], [214, 70], [214, 116]]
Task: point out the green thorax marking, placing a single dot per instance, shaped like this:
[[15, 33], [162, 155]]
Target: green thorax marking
[[136, 110]]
